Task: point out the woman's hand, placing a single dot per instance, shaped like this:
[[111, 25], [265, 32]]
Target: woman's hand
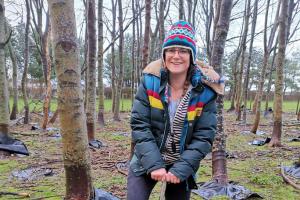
[[171, 178], [159, 174]]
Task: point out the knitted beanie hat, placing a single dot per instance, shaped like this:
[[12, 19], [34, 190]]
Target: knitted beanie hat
[[182, 35]]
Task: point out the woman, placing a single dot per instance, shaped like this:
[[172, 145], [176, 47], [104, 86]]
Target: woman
[[173, 120]]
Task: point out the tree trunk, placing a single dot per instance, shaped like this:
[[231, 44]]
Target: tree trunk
[[146, 33], [181, 10], [139, 43], [267, 50], [298, 115], [53, 118], [100, 64], [4, 116], [270, 80], [243, 50], [26, 60], [47, 63], [259, 94], [209, 12], [121, 67], [282, 39], [161, 24], [14, 111], [70, 101], [246, 82], [113, 67], [91, 70], [190, 12], [133, 56], [219, 169]]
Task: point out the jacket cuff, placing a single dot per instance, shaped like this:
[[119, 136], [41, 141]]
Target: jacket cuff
[[155, 168]]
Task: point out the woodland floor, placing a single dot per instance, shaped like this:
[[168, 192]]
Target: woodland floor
[[255, 167]]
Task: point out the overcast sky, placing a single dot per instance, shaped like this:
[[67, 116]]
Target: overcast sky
[[15, 10]]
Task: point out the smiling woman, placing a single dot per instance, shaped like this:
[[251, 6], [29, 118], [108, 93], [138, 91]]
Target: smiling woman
[[173, 120]]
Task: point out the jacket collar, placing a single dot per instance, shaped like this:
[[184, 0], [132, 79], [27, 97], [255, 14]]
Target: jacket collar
[[212, 79]]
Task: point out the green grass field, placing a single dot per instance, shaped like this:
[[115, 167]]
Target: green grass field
[[125, 106]]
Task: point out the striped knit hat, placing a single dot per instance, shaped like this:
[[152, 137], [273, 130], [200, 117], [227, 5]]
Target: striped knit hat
[[181, 34]]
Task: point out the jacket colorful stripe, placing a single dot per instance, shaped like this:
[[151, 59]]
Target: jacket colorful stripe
[[196, 103]]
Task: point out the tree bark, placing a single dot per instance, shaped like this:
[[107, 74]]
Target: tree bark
[[121, 65], [270, 78], [280, 58], [14, 111], [161, 24], [91, 70], [53, 118], [26, 60], [246, 82], [47, 63], [181, 10], [133, 56], [100, 64], [4, 116], [113, 66], [146, 34], [243, 51], [219, 168], [190, 12], [267, 50], [70, 101]]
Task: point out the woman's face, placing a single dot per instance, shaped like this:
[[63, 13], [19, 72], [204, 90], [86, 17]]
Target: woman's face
[[177, 60]]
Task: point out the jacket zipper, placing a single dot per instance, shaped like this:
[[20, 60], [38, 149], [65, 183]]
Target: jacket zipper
[[163, 139]]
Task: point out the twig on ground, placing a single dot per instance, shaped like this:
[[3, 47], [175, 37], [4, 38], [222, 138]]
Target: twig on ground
[[41, 198], [21, 194], [288, 180], [122, 172]]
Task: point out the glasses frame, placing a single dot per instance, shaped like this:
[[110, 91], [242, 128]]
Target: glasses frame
[[182, 52]]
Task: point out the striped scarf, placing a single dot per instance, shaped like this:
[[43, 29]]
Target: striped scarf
[[171, 152]]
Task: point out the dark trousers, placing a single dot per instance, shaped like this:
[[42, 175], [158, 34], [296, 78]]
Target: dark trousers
[[140, 187]]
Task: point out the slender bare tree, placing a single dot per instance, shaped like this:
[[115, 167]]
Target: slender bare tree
[[100, 64], [14, 111], [246, 82], [91, 70], [70, 101], [113, 66], [161, 22], [133, 55], [243, 52], [181, 9], [278, 99], [121, 67], [146, 34], [267, 50], [26, 59], [42, 44], [219, 169]]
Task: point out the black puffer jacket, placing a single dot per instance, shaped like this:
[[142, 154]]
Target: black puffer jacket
[[150, 124]]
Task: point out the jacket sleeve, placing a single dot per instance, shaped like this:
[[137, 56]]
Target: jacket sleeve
[[146, 148], [200, 144]]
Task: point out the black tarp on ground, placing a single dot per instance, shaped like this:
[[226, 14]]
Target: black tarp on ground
[[260, 142], [32, 173], [12, 145], [293, 171], [95, 144], [211, 189], [295, 139], [103, 195]]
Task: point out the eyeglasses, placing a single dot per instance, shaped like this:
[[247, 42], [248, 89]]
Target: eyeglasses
[[181, 51]]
